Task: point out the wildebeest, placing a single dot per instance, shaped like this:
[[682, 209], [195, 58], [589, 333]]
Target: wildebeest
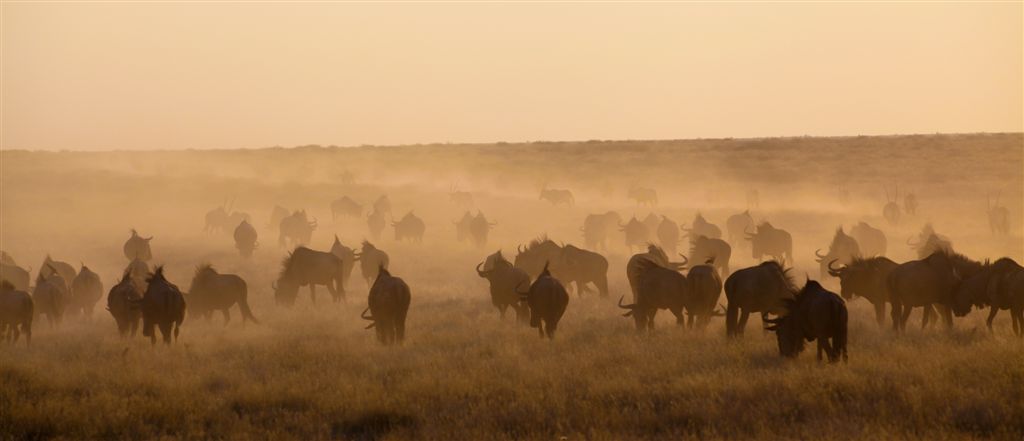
[[813, 314], [382, 205], [370, 258], [998, 216], [123, 304], [637, 234], [223, 219], [644, 196], [770, 241], [63, 269], [309, 267], [703, 249], [137, 247], [668, 235], [163, 307], [760, 288], [245, 239], [50, 295], [296, 229], [872, 241], [891, 210], [347, 256], [345, 206], [636, 265], [596, 228], [910, 204], [547, 300], [844, 248], [460, 198], [928, 282], [738, 225], [277, 215], [652, 221], [18, 276], [410, 228], [704, 287], [86, 290], [928, 242], [16, 313], [139, 271], [582, 267], [462, 227], [865, 277], [1005, 290], [504, 278], [211, 291], [557, 196], [375, 223], [702, 227], [388, 306], [539, 254], [479, 228], [658, 288]]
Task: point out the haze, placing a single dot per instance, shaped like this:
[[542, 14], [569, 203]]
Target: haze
[[170, 76]]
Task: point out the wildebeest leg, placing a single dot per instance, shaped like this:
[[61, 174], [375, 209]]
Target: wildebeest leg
[[134, 327], [731, 320], [992, 310], [905, 317], [822, 347], [333, 291], [1018, 321], [897, 316], [742, 323], [689, 320], [165, 331], [227, 316], [947, 316], [880, 313], [929, 315], [680, 318], [602, 286], [764, 323], [501, 311], [540, 328], [650, 319]]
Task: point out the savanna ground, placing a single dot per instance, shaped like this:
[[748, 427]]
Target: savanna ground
[[313, 372]]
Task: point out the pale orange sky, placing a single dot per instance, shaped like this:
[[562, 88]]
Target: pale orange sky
[[227, 75]]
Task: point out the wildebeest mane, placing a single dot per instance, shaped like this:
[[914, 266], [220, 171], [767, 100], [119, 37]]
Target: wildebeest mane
[[784, 272]]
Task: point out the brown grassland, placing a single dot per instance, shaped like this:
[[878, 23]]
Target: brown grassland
[[313, 372]]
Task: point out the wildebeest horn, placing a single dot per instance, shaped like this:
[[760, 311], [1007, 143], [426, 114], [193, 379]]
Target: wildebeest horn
[[481, 273], [817, 252], [520, 249], [629, 306], [685, 261], [364, 316], [834, 271]]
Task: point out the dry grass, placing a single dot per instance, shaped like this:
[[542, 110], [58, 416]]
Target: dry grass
[[314, 373]]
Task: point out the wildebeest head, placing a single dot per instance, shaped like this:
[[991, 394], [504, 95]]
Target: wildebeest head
[[537, 255], [843, 248], [286, 290], [789, 328], [972, 291]]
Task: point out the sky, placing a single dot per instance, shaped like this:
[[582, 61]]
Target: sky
[[113, 75]]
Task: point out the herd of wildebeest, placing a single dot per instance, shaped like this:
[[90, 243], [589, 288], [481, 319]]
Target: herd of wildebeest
[[536, 282]]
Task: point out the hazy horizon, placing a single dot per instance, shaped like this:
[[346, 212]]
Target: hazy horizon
[[142, 76]]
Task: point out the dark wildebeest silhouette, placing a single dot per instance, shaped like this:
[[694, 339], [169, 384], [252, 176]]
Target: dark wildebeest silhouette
[[928, 282], [998, 216], [215, 219], [345, 206], [635, 266], [211, 291], [973, 291], [557, 196], [410, 228], [547, 300], [891, 210], [539, 254], [703, 249], [375, 223], [460, 198], [596, 228], [296, 229], [582, 267], [760, 288], [843, 249], [382, 205], [910, 204], [644, 196], [246, 239], [370, 258], [18, 276], [139, 272], [388, 306], [865, 278], [123, 304], [504, 278], [772, 242], [668, 235], [462, 227], [137, 247], [86, 290], [347, 256], [50, 295], [704, 286], [813, 314], [738, 225], [16, 313], [701, 227], [277, 215], [872, 241], [63, 269], [1005, 290], [658, 288], [308, 267], [479, 228], [928, 242], [637, 234], [163, 307]]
